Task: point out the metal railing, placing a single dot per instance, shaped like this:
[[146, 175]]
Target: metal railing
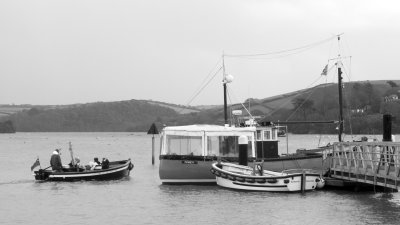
[[376, 163]]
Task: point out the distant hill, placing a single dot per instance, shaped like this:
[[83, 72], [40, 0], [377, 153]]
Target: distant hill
[[364, 103], [132, 115]]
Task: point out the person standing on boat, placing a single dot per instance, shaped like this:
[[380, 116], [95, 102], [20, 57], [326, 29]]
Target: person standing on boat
[[55, 160]]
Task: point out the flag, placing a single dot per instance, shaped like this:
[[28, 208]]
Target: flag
[[325, 70], [35, 164]]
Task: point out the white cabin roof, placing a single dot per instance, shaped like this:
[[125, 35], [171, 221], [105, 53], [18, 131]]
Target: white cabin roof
[[209, 130]]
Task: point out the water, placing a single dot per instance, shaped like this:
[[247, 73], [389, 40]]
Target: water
[[141, 199]]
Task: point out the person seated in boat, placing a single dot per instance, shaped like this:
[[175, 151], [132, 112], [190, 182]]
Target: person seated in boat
[[55, 161], [95, 165], [105, 163], [77, 165]]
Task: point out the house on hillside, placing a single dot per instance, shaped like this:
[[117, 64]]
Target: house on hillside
[[361, 110], [391, 98]]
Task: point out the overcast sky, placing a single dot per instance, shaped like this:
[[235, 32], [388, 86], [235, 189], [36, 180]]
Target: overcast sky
[[79, 51]]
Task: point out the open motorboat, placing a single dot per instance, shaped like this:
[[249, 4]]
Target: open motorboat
[[255, 178], [106, 170], [115, 170]]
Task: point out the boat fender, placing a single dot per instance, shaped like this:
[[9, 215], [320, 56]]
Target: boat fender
[[232, 178], [259, 169], [223, 175], [240, 179], [212, 171], [272, 181], [250, 180], [261, 181], [320, 183]]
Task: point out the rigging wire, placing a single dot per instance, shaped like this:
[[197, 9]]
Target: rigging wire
[[233, 95], [204, 83], [309, 95], [289, 100], [286, 51]]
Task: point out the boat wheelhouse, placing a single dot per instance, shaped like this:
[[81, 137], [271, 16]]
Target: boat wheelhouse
[[187, 152]]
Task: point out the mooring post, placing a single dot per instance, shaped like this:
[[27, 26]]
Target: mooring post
[[243, 156], [303, 182], [387, 127], [153, 130]]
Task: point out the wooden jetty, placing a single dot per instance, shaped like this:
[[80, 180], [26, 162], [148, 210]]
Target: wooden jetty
[[374, 163]]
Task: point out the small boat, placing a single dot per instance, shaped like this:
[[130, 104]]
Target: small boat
[[116, 170], [255, 178], [73, 172]]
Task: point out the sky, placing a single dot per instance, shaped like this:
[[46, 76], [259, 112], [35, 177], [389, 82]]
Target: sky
[[80, 51]]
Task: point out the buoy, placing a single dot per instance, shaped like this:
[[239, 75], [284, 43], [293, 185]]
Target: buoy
[[320, 183]]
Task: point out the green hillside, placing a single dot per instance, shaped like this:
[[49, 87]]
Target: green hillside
[[364, 104], [133, 115]]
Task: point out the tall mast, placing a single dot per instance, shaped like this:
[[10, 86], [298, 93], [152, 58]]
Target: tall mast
[[224, 83], [339, 64]]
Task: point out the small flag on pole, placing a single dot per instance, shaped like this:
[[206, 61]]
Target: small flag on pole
[[325, 70], [35, 164]]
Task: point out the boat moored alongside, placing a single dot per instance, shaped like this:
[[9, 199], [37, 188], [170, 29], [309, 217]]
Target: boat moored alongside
[[255, 178]]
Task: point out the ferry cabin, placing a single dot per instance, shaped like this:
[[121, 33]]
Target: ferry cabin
[[187, 152]]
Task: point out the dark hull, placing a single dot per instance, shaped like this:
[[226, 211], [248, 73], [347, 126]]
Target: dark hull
[[187, 169], [117, 170]]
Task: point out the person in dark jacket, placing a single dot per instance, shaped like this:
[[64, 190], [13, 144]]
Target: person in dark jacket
[[55, 161]]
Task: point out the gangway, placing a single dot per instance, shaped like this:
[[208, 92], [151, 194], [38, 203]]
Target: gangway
[[375, 163]]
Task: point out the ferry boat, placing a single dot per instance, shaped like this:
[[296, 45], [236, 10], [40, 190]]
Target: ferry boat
[[187, 152]]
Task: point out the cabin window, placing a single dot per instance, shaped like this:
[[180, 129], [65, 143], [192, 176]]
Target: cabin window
[[267, 135], [184, 145], [274, 132], [259, 135], [226, 146]]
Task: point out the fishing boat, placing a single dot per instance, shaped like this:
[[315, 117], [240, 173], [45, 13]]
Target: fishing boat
[[255, 178], [116, 170]]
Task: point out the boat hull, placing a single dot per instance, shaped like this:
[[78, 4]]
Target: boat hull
[[241, 178], [117, 170], [187, 170]]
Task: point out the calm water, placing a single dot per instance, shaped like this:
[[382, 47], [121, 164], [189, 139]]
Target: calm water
[[141, 199]]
